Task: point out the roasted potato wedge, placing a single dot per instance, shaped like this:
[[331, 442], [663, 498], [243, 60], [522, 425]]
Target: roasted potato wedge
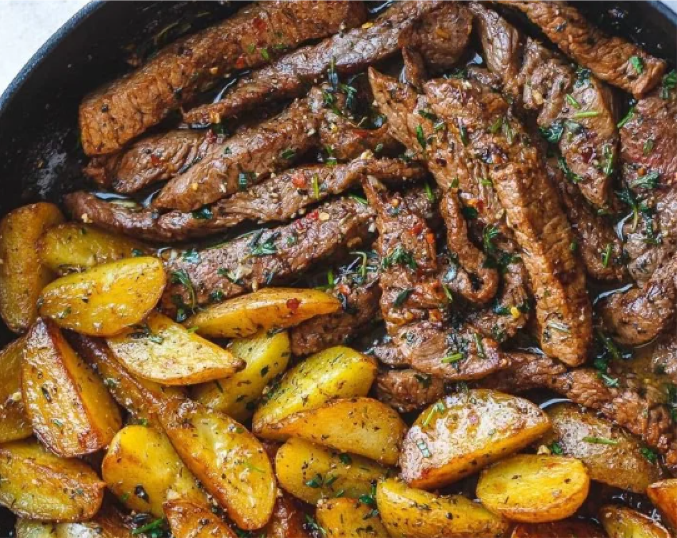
[[22, 276], [288, 520], [611, 455], [311, 472], [568, 528], [163, 351], [463, 432], [27, 528], [105, 300], [74, 246], [623, 522], [413, 513], [347, 518], [107, 523], [533, 488], [190, 520], [139, 396], [265, 309], [14, 422], [362, 426], [337, 372], [266, 356], [664, 495], [228, 460], [36, 484], [142, 468], [71, 411]]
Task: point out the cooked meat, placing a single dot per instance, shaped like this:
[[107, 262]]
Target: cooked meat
[[124, 109], [612, 59], [345, 140], [408, 390], [414, 71], [664, 358], [515, 167], [384, 349], [348, 53], [268, 256]]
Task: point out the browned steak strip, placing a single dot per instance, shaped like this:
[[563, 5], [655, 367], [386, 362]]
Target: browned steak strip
[[407, 390], [349, 52], [563, 310], [269, 256], [612, 59], [414, 71], [125, 108]]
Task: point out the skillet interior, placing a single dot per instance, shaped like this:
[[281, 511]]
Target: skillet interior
[[40, 156]]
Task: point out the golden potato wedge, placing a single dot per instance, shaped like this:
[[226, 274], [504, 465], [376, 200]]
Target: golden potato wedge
[[163, 351], [664, 495], [228, 460], [288, 520], [74, 246], [534, 489], [71, 411], [348, 518], [266, 356], [190, 520], [337, 372], [611, 455], [139, 396], [27, 528], [36, 484], [311, 472], [413, 513], [568, 528], [14, 422], [623, 522], [142, 469], [108, 523], [105, 300], [362, 426], [463, 432], [265, 309], [22, 276]]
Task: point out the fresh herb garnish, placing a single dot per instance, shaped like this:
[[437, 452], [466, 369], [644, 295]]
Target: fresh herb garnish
[[572, 101], [637, 64], [600, 441], [553, 133], [437, 408], [399, 256], [403, 296], [647, 181], [649, 454], [606, 255], [420, 136], [203, 214], [181, 277]]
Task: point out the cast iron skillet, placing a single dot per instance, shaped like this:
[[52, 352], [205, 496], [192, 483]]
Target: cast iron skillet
[[40, 157]]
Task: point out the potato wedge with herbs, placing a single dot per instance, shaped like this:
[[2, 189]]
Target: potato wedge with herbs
[[22, 276], [265, 309], [533, 488], [413, 513], [36, 484], [664, 495], [190, 520], [27, 528], [311, 472], [163, 351], [74, 246], [108, 523], [70, 409], [142, 469], [611, 455], [105, 300], [266, 356], [463, 432], [623, 522], [228, 460], [140, 397], [337, 372], [362, 426], [347, 518], [569, 528], [14, 422]]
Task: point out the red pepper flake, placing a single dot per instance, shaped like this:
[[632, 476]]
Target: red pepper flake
[[313, 215], [298, 180], [154, 159], [260, 24], [430, 238], [241, 62], [293, 304], [417, 228], [343, 288]]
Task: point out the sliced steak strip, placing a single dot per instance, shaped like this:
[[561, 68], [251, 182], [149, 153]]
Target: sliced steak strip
[[124, 109], [612, 59], [267, 257], [407, 390], [563, 310]]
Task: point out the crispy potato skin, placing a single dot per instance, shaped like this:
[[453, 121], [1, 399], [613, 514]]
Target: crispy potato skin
[[568, 528], [107, 523], [268, 308], [142, 469], [347, 518], [14, 422], [163, 351], [106, 299], [27, 528], [288, 520], [22, 276], [70, 409], [621, 522], [413, 513], [466, 431], [228, 460], [39, 485], [620, 464], [189, 520], [337, 372], [664, 495], [534, 489], [299, 463], [266, 356]]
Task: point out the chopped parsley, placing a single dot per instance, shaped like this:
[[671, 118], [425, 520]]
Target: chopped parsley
[[420, 136], [181, 277], [572, 101], [437, 408], [600, 441], [637, 64], [454, 357], [647, 181], [556, 448], [586, 114], [649, 454], [288, 154], [488, 235], [403, 296], [554, 132], [606, 255], [427, 115], [669, 83], [399, 256]]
